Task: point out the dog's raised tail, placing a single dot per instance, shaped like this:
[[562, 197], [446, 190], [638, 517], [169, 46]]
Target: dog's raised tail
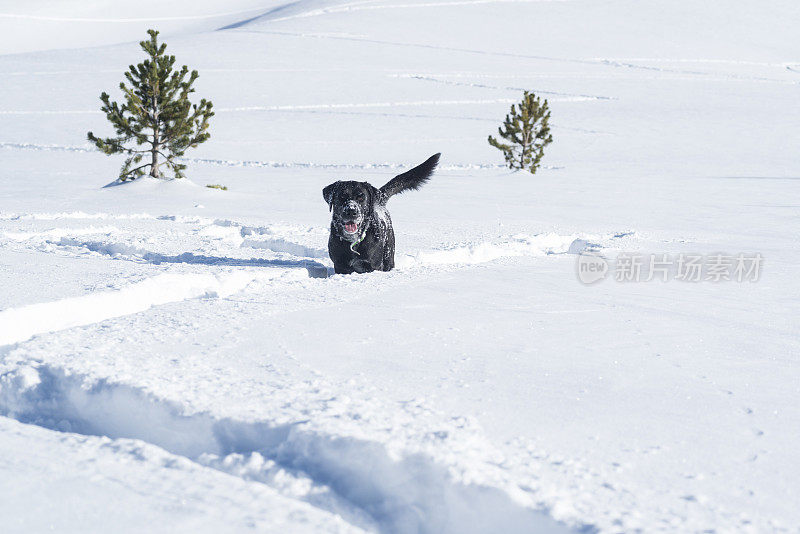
[[413, 179]]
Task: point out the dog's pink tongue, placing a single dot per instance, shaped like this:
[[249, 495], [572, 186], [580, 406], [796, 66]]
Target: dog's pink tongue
[[351, 227]]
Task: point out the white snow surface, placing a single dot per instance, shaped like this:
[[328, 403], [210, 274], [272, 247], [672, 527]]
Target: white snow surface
[[175, 358]]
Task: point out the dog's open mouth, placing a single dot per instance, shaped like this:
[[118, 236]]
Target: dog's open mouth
[[351, 227]]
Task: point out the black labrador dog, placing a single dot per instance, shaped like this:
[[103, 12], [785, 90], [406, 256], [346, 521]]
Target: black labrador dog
[[362, 237]]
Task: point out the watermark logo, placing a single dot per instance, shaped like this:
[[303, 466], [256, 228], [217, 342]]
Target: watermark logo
[[639, 267], [591, 268]]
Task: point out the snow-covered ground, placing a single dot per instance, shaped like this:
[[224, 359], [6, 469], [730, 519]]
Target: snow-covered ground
[[177, 358]]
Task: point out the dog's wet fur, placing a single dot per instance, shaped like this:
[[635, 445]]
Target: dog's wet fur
[[362, 237]]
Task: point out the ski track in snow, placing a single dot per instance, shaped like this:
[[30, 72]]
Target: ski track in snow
[[346, 105], [355, 105], [728, 76], [228, 269], [274, 14], [421, 45], [568, 97], [50, 112], [617, 64], [126, 20], [270, 164], [630, 63], [368, 6]]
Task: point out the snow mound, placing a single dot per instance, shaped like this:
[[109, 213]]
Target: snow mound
[[483, 252]]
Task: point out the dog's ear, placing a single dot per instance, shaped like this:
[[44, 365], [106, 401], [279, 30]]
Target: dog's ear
[[377, 198], [368, 190], [327, 194], [374, 195]]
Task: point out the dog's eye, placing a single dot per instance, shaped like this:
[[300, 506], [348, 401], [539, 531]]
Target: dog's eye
[[360, 197]]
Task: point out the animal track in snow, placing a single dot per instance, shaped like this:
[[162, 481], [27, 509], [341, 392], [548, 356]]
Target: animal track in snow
[[354, 477]]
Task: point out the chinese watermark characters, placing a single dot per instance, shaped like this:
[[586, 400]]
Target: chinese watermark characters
[[640, 267]]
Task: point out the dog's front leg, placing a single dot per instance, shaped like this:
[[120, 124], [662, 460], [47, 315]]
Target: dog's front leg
[[342, 268], [361, 266]]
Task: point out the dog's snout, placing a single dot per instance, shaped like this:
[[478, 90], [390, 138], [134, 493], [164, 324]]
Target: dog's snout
[[350, 209]]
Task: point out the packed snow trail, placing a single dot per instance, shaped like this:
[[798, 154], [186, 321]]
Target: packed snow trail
[[20, 324], [79, 482], [405, 494]]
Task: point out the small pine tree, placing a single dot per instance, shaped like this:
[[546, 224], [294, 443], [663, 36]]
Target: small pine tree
[[527, 133], [156, 113]]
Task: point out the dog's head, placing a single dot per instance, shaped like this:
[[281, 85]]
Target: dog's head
[[351, 204]]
